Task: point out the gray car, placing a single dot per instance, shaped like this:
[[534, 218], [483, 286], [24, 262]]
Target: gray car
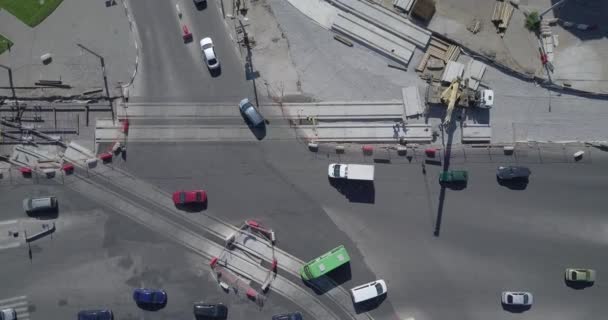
[[37, 205], [513, 173], [251, 113]]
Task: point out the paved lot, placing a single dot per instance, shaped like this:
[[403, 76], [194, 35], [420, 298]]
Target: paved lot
[[104, 30], [97, 257], [491, 238], [174, 71]]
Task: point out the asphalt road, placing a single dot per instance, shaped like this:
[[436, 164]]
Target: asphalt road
[[490, 238], [96, 258], [171, 70]]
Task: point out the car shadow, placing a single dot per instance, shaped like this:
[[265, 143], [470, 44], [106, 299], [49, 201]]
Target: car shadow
[[456, 186], [201, 6], [151, 307], [193, 207], [515, 309], [216, 72], [354, 190], [577, 285], [330, 280], [515, 184], [369, 305], [48, 214]]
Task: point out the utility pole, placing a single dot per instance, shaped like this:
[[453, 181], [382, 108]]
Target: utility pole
[[103, 71]]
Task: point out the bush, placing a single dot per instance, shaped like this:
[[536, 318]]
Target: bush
[[533, 21]]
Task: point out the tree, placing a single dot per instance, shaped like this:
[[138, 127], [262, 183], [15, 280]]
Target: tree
[[533, 21]]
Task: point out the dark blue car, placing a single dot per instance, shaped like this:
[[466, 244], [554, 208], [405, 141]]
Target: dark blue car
[[150, 298], [103, 314]]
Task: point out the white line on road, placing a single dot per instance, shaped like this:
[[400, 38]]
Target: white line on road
[[12, 299], [8, 222]]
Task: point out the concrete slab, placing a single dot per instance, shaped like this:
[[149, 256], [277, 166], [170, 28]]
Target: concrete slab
[[452, 71], [411, 101], [373, 37], [474, 71], [476, 133]]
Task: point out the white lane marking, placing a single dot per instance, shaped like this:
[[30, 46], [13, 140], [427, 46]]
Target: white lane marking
[[8, 222], [14, 305], [10, 246]]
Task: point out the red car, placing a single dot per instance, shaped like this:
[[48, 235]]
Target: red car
[[189, 197]]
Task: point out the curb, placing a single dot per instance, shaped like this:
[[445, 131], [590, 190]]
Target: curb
[[132, 29]]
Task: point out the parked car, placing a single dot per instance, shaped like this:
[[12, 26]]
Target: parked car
[[210, 310], [512, 173], [453, 176], [150, 297], [288, 316], [37, 205], [511, 298], [580, 275], [209, 53], [8, 314], [189, 197], [251, 113], [103, 314]]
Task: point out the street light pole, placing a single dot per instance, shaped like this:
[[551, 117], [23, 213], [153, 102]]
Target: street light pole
[[10, 80], [103, 70]]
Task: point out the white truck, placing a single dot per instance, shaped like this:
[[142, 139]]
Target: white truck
[[362, 172]]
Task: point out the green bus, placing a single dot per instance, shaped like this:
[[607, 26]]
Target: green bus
[[325, 263]]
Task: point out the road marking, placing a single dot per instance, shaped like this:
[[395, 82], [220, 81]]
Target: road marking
[[8, 222], [10, 246], [12, 299], [19, 304]]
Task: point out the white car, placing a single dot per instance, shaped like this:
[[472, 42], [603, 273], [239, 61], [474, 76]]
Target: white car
[[510, 298], [209, 53], [8, 314]]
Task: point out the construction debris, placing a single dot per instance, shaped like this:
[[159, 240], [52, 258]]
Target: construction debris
[[474, 26], [438, 49], [503, 11]]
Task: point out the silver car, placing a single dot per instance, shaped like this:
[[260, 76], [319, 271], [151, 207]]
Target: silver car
[[251, 113], [512, 298], [35, 205]]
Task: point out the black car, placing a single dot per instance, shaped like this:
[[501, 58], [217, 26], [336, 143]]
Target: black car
[[513, 173], [288, 316], [210, 311], [96, 315]]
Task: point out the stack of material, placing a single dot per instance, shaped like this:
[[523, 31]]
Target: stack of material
[[453, 71], [403, 5], [548, 39], [503, 11], [441, 50], [474, 73]]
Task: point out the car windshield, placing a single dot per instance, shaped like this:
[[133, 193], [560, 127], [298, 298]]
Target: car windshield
[[525, 299], [378, 288], [182, 197], [510, 299], [573, 275], [212, 61], [337, 170], [199, 196]]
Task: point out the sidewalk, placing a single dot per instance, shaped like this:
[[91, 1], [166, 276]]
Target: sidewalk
[[104, 30]]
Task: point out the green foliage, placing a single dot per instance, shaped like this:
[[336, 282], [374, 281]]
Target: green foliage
[[5, 44], [533, 21], [31, 12]]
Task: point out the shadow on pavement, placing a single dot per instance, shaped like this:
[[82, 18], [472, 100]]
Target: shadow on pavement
[[577, 285], [331, 280], [370, 304], [151, 306], [515, 184], [216, 72], [48, 214], [193, 207], [515, 309], [354, 190]]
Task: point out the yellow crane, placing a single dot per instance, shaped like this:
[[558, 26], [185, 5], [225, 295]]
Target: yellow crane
[[449, 97]]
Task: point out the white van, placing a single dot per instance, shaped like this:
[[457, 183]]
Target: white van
[[368, 291]]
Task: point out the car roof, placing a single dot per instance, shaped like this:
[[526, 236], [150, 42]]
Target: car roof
[[205, 41]]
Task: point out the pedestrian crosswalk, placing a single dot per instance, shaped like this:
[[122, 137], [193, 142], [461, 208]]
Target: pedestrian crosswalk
[[19, 304]]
